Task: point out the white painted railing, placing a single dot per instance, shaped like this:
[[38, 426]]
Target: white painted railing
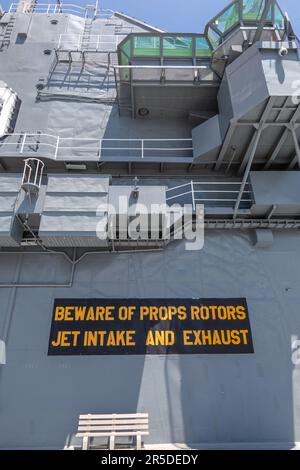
[[33, 172], [67, 8], [162, 67], [184, 73], [95, 42], [91, 149], [206, 192]]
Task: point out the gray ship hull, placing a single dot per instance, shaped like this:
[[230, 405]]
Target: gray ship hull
[[209, 399], [98, 93]]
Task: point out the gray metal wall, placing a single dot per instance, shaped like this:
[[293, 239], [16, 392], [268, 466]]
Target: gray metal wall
[[24, 65], [208, 399]]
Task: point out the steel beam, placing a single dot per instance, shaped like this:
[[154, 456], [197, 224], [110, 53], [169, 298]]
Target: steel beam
[[283, 138], [263, 20], [256, 139], [255, 123], [277, 149], [225, 145], [272, 212], [293, 163], [248, 152], [283, 108], [233, 155], [259, 127], [252, 224], [279, 145], [296, 159]]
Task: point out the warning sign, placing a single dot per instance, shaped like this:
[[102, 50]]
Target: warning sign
[[150, 326]]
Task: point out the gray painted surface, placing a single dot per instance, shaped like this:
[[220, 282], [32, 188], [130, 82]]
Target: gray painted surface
[[279, 189], [256, 76], [9, 190], [207, 138], [23, 66], [252, 398], [246, 83], [195, 399], [74, 207]]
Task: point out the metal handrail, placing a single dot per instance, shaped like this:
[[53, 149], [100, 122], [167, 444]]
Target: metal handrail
[[190, 189], [70, 8], [188, 67], [206, 182], [30, 144], [28, 169], [94, 41]]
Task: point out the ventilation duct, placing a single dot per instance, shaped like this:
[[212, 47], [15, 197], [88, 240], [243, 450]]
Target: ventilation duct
[[8, 104]]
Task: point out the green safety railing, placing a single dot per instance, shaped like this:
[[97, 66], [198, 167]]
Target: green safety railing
[[200, 46], [164, 45], [244, 13]]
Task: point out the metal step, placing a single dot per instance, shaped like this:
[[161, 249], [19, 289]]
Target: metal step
[[5, 41], [86, 36]]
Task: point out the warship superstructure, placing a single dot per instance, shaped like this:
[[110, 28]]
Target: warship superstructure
[[95, 106]]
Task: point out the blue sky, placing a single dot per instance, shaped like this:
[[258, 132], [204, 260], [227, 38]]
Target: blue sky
[[177, 15]]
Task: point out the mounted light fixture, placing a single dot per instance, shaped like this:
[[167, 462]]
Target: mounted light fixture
[[283, 51], [143, 112], [2, 352], [8, 105], [75, 166]]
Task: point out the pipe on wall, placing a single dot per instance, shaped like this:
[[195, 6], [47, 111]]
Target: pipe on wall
[[73, 262]]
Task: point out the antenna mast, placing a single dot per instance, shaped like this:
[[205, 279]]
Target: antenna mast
[[263, 21], [26, 6], [59, 6]]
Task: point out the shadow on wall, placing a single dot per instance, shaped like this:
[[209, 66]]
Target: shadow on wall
[[280, 70], [238, 398], [94, 79], [192, 399]]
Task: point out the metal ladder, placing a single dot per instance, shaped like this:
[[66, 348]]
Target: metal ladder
[[86, 36], [88, 23], [122, 29], [6, 35]]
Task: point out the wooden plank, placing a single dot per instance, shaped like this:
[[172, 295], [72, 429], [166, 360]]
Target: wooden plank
[[111, 442], [83, 422], [107, 434], [92, 418], [277, 149], [85, 443], [114, 416], [113, 427], [138, 442]]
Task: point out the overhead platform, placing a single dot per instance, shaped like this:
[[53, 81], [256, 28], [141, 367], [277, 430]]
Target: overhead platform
[[259, 113], [166, 74], [10, 229], [75, 211], [61, 149], [151, 63], [242, 23], [275, 193]]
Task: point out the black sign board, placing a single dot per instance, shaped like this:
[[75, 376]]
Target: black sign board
[[150, 326]]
